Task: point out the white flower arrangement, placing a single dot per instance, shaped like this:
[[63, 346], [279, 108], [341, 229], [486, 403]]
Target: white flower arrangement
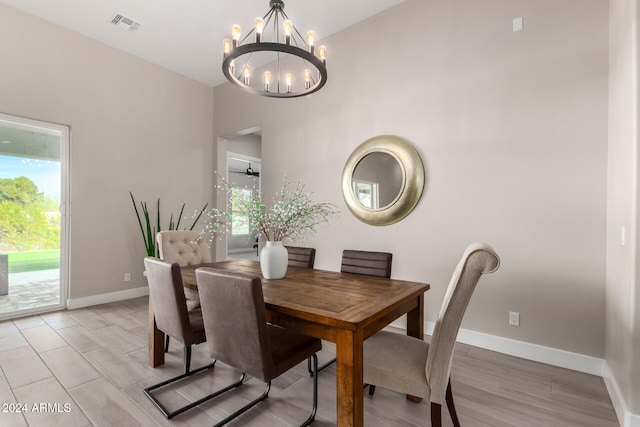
[[291, 214]]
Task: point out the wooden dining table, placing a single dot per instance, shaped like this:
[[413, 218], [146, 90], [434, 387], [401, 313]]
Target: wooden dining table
[[342, 308]]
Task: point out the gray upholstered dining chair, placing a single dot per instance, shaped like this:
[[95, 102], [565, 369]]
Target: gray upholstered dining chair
[[411, 366], [184, 247], [301, 257], [235, 322], [170, 307], [369, 263]]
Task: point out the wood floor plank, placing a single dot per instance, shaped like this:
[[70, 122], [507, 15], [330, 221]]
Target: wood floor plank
[[48, 404], [58, 319], [81, 338], [43, 338], [28, 322], [69, 367], [89, 318], [11, 337], [116, 366], [116, 337], [106, 405], [9, 418], [22, 366]]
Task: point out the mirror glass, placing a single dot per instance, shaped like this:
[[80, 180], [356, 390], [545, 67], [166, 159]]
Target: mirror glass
[[377, 180]]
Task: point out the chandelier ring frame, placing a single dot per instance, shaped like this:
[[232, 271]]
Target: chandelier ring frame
[[248, 48]]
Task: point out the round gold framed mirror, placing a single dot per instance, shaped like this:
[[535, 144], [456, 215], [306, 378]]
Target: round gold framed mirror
[[383, 180]]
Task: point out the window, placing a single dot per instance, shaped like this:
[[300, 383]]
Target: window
[[367, 193], [239, 222]]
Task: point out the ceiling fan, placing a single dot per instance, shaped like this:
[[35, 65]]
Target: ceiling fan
[[251, 172], [248, 172]]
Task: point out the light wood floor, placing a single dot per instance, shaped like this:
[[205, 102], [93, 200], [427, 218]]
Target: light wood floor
[[90, 366]]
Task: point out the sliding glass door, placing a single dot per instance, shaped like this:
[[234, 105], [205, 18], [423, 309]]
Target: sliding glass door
[[33, 220]]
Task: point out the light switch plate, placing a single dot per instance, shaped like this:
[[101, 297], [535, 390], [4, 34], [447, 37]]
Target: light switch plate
[[517, 24]]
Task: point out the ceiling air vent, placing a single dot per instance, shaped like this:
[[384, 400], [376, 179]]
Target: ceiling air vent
[[125, 23]]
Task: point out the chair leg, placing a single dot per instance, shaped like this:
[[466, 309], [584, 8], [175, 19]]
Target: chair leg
[[314, 374], [166, 343], [436, 415], [187, 358], [246, 407], [253, 403], [169, 415], [329, 363], [451, 406]]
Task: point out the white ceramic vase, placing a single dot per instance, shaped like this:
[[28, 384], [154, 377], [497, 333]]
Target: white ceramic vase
[[274, 259]]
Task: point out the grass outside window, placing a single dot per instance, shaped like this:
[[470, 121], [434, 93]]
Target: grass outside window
[[20, 262]]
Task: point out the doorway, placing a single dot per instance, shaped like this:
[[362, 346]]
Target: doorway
[[33, 216], [243, 175]]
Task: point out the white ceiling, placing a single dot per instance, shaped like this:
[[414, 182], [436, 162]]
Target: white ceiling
[[186, 36]]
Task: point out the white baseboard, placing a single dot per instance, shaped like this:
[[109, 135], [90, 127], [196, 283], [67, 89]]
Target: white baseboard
[[547, 355], [525, 350], [625, 417], [106, 298]]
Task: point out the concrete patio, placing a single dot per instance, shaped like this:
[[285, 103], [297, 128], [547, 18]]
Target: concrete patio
[[36, 289]]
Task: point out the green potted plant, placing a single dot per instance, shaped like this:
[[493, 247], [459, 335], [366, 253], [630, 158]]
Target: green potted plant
[[149, 231]]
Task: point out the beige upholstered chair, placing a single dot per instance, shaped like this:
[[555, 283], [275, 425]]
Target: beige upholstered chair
[[411, 366], [301, 257], [238, 334], [184, 247]]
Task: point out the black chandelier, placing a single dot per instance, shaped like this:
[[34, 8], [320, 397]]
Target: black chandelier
[[276, 57]]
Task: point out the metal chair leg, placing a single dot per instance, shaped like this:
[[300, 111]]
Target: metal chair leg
[[253, 403], [187, 358], [372, 389], [315, 390], [169, 415], [246, 407], [329, 363]]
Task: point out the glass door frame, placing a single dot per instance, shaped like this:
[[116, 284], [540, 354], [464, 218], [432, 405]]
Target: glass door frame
[[65, 143]]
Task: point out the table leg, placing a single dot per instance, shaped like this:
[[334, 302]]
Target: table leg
[[415, 328], [415, 320], [349, 379], [156, 340]]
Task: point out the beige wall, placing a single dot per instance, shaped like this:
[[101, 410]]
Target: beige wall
[[134, 126], [512, 128], [623, 295]]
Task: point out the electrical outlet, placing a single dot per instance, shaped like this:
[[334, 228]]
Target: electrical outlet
[[127, 277], [514, 318]]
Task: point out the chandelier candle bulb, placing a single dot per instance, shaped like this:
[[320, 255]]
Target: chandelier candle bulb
[[226, 46], [246, 74], [259, 28], [236, 32], [267, 81], [288, 80], [287, 26], [322, 53], [307, 79], [311, 40]]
